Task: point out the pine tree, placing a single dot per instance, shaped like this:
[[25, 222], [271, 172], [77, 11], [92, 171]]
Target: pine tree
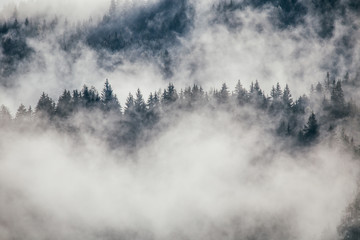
[[109, 100], [241, 94], [21, 113], [90, 98], [139, 104], [77, 101], [129, 106], [256, 96], [301, 104], [278, 90], [45, 107], [223, 95], [310, 131], [287, 99], [64, 106], [152, 115], [170, 95], [338, 106]]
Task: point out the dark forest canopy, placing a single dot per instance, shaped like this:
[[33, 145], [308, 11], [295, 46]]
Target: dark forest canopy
[[300, 120], [149, 32]]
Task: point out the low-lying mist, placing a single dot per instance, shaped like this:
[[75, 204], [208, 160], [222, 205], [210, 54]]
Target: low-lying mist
[[206, 176]]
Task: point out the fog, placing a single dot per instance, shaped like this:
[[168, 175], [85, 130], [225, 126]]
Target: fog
[[210, 54], [202, 178], [204, 174]]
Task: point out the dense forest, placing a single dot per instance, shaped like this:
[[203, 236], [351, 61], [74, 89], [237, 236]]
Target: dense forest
[[182, 160], [298, 123], [326, 102]]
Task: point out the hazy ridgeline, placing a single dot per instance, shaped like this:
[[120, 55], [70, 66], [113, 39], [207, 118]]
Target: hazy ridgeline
[[183, 155]]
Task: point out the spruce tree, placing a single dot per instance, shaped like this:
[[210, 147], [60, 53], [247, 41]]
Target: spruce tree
[[139, 104], [170, 95], [223, 95], [310, 131], [240, 94], [45, 107], [109, 100], [21, 113], [64, 106], [287, 98]]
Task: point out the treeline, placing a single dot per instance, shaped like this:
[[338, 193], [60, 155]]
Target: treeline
[[301, 119]]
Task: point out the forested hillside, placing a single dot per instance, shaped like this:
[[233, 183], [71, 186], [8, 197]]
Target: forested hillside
[[131, 123]]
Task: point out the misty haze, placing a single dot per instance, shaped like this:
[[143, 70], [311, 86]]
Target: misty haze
[[181, 120]]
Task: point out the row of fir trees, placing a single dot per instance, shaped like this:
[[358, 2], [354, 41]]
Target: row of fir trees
[[295, 118]]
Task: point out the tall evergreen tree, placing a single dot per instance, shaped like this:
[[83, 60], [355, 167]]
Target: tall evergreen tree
[[170, 95], [90, 98], [21, 113], [223, 95], [338, 106], [109, 100], [310, 131], [64, 106], [139, 105], [129, 106], [45, 107], [241, 94], [287, 98]]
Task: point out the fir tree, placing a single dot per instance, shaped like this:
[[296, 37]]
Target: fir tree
[[223, 95], [21, 112], [139, 104], [109, 100], [170, 95], [45, 107], [338, 106], [310, 131], [64, 106], [287, 98], [240, 93]]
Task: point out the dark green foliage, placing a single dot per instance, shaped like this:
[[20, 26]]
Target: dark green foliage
[[64, 106], [241, 94], [140, 116], [310, 132], [256, 96], [90, 98], [153, 28], [139, 105], [287, 99], [301, 104], [109, 100], [170, 95], [45, 107], [338, 106], [223, 94], [153, 112]]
